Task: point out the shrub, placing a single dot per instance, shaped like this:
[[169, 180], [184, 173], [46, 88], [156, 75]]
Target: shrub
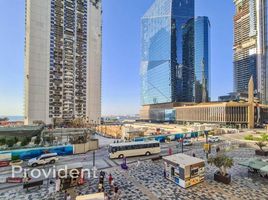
[[2, 141], [15, 157], [10, 142], [264, 137], [16, 139], [248, 137], [25, 141]]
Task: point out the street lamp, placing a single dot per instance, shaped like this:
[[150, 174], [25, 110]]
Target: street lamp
[[206, 147], [94, 169]]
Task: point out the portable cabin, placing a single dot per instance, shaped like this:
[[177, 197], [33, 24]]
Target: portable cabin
[[184, 170]]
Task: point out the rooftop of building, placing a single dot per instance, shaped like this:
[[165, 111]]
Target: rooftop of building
[[183, 159], [21, 131]]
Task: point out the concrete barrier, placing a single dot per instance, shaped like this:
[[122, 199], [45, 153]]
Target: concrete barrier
[[85, 147]]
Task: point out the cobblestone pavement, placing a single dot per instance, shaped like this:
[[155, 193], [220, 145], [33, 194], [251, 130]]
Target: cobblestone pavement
[[146, 181]]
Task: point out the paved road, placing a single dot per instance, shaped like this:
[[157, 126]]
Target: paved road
[[102, 160], [145, 181]]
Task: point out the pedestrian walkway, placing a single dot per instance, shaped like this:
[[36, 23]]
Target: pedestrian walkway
[[146, 182], [141, 187]]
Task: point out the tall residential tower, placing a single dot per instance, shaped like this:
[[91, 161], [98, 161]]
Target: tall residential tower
[[63, 60], [250, 46]]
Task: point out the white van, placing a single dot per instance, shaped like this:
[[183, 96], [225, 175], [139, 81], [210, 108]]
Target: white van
[[49, 158], [213, 139]]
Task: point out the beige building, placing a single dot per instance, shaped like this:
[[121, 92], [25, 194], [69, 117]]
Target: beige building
[[229, 112], [63, 60], [225, 113]]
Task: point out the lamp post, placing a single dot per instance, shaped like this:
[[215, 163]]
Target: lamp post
[[206, 133], [181, 141], [94, 158], [94, 169]]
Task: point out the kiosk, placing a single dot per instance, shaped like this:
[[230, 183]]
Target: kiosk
[[70, 176], [184, 170]]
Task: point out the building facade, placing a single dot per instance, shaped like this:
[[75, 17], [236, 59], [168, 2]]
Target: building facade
[[224, 113], [243, 114], [166, 55], [63, 60], [202, 60], [250, 46]]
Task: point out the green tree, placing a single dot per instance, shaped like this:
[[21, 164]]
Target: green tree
[[222, 162], [37, 140], [2, 141], [16, 140], [25, 141], [10, 142]]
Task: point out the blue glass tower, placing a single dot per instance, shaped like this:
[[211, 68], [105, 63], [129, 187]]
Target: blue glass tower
[[202, 60], [167, 64]]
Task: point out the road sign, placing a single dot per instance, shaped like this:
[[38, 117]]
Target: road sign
[[207, 147]]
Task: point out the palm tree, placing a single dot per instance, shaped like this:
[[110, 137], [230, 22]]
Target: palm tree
[[222, 162]]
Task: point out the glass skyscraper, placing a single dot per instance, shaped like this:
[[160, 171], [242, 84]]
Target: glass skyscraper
[[202, 60], [167, 64]]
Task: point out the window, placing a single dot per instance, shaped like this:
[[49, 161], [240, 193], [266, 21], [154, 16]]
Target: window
[[114, 149], [172, 171], [194, 172]]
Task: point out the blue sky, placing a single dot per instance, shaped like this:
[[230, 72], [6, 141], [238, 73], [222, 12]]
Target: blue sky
[[121, 52]]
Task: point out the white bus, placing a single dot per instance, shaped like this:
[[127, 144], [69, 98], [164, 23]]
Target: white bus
[[128, 149]]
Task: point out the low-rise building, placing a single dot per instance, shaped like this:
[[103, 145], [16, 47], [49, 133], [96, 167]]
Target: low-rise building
[[225, 113], [234, 96]]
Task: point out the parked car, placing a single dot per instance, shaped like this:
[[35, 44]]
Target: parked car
[[49, 158], [187, 143], [214, 139]]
